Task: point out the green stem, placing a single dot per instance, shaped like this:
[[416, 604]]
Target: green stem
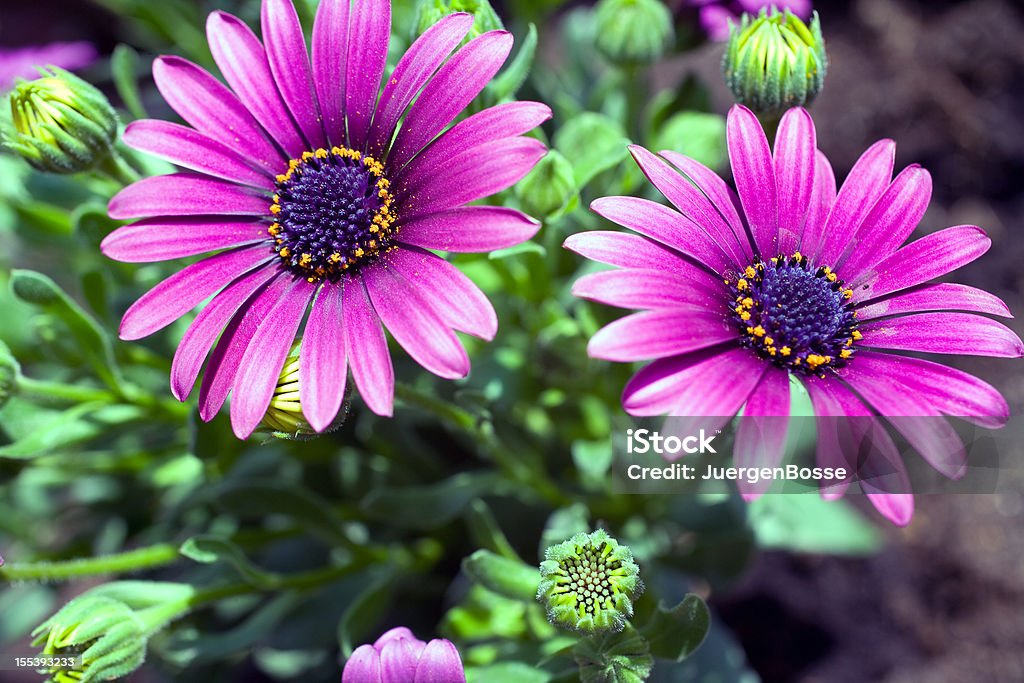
[[63, 392], [115, 168], [133, 560], [482, 431]]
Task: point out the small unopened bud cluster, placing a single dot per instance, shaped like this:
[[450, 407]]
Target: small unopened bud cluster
[[484, 17], [633, 31], [775, 61], [589, 582], [61, 123]]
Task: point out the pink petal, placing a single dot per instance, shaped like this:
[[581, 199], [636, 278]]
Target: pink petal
[[185, 194], [468, 229], [363, 666], [261, 364], [945, 296], [958, 333], [794, 159], [633, 251], [647, 289], [440, 663], [213, 110], [367, 350], [369, 33], [411, 320], [330, 55], [754, 173], [323, 370], [194, 150], [761, 436], [186, 289], [823, 195], [453, 296], [242, 60], [162, 239], [867, 181], [658, 334], [289, 64]]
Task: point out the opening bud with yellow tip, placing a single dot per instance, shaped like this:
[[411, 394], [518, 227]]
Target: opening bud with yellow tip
[[775, 61], [284, 418], [61, 124]]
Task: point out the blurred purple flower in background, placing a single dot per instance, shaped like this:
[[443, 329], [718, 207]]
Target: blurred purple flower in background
[[400, 657], [714, 15], [793, 280], [22, 62], [300, 177]]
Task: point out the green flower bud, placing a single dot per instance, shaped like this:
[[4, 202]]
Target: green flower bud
[[10, 371], [632, 31], [484, 17], [284, 418], [549, 188], [589, 582], [623, 657], [774, 61], [104, 636], [61, 123]]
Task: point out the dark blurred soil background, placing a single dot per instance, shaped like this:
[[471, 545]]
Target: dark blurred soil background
[[944, 602]]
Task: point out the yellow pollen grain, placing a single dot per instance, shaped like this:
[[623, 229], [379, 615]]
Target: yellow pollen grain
[[857, 336], [797, 256], [845, 353], [750, 272], [848, 293], [747, 302], [275, 209], [285, 252], [741, 284], [334, 258], [768, 341], [758, 331], [744, 316], [785, 350], [321, 153], [305, 259], [282, 178]]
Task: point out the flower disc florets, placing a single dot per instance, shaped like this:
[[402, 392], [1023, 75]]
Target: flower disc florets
[[589, 582], [331, 211], [798, 317]]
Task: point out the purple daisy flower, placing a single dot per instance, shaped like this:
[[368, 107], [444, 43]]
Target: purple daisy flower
[[399, 657], [301, 174], [792, 279], [24, 62], [714, 16]]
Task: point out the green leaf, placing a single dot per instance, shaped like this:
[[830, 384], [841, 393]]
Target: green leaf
[[697, 135], [92, 339], [675, 633], [485, 532], [210, 549], [268, 498], [426, 507], [593, 143], [72, 426], [368, 609], [510, 578], [522, 248], [507, 83], [807, 523], [124, 65], [508, 672]]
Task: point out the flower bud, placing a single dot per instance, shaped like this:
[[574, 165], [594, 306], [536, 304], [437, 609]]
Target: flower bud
[[284, 418], [407, 658], [632, 31], [61, 123], [588, 583], [775, 61], [484, 17], [549, 187], [105, 636]]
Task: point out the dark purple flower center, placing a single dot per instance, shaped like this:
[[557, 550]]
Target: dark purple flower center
[[331, 212], [799, 318]]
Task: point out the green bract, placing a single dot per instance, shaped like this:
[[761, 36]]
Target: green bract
[[775, 61], [61, 123], [105, 633], [633, 30], [589, 582]]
